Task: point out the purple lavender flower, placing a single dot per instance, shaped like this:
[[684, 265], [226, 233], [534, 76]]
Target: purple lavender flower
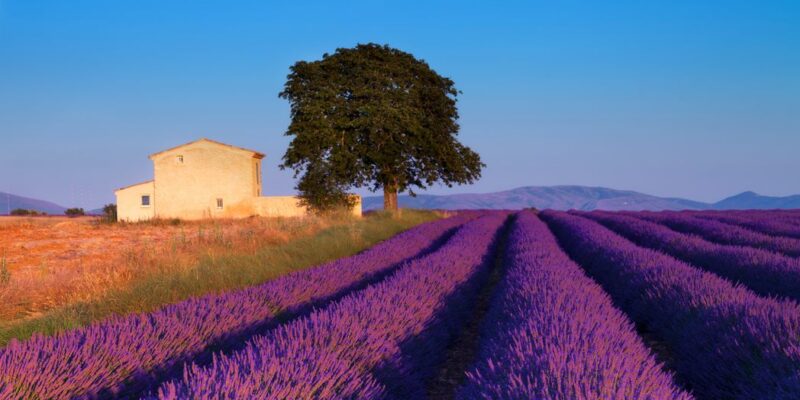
[[765, 272], [720, 232], [129, 354], [378, 342], [721, 339], [552, 333]]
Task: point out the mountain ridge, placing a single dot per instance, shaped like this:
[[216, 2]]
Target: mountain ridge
[[750, 199], [565, 197], [560, 197], [9, 202]]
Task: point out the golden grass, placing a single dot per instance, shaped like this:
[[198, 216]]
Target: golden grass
[[51, 263], [145, 266]]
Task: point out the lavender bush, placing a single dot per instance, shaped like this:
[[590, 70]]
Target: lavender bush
[[765, 272], [722, 233], [757, 220], [785, 215], [724, 341], [380, 342], [377, 325], [552, 333], [125, 355]]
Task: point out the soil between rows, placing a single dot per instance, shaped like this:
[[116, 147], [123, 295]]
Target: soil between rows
[[461, 352]]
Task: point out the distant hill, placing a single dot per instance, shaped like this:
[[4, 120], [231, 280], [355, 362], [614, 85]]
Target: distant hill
[[553, 197], [752, 200], [579, 198], [10, 201]]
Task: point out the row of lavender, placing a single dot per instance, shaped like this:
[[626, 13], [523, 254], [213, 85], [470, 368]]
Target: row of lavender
[[132, 353], [721, 339], [780, 215], [769, 222], [791, 213], [721, 232], [552, 333], [765, 272], [381, 342]]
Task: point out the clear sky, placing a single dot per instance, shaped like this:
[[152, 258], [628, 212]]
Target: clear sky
[[699, 99]]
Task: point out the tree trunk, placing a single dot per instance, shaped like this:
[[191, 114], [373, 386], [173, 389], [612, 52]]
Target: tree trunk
[[390, 197]]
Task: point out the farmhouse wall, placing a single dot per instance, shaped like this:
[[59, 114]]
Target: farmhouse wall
[[206, 179], [129, 202]]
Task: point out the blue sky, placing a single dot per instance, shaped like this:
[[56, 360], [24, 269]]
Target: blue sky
[[699, 99]]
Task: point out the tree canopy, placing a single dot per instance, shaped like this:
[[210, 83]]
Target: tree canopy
[[372, 117]]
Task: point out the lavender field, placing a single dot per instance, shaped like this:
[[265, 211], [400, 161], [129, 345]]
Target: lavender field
[[480, 305]]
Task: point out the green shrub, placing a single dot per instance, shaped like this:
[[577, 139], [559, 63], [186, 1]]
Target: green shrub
[[24, 212], [74, 212], [110, 213]]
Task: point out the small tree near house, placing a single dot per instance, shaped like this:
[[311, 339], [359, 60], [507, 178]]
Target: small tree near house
[[110, 212]]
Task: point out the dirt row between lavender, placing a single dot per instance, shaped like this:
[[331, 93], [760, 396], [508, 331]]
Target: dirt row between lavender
[[462, 351]]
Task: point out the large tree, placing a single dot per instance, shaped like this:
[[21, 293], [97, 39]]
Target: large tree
[[375, 117]]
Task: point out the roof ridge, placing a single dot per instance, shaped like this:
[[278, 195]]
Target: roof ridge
[[135, 184], [257, 154]]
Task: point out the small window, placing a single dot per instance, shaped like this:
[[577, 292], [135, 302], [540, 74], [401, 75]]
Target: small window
[[179, 159], [146, 201], [219, 204]]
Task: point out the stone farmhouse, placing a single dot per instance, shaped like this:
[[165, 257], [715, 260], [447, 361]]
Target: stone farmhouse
[[205, 179]]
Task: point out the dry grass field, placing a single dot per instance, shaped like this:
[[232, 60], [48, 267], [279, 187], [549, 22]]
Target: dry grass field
[[53, 261], [58, 273]]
